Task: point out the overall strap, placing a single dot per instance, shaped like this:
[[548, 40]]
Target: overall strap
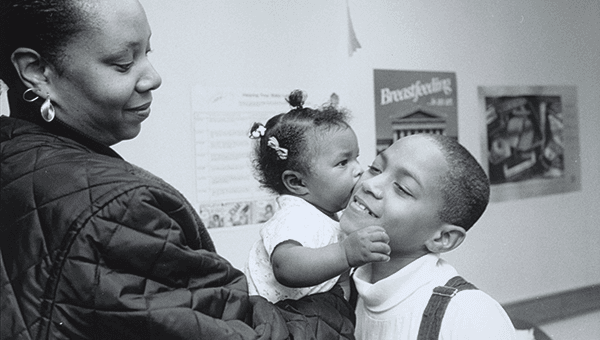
[[353, 298], [434, 312]]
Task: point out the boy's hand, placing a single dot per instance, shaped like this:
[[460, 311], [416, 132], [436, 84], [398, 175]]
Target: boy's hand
[[366, 245]]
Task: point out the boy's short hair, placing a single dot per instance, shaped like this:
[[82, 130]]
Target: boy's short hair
[[465, 188]]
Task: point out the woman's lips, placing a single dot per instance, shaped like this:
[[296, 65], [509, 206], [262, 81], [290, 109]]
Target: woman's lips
[[141, 110]]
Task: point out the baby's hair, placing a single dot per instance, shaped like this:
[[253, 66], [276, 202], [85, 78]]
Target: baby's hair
[[465, 188], [290, 132]]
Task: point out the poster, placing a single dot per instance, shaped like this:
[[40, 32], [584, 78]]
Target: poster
[[227, 191], [531, 141], [409, 102]]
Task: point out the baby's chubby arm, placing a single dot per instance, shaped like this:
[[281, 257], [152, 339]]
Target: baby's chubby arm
[[298, 266]]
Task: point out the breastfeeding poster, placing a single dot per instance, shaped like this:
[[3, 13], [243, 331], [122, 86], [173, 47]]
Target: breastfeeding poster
[[409, 102], [227, 191]]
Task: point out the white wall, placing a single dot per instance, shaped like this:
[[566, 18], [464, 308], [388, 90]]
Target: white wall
[[519, 249]]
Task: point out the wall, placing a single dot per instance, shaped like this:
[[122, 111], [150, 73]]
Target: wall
[[519, 249]]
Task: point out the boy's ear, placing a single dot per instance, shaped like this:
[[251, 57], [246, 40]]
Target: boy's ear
[[31, 67], [446, 238], [294, 183]]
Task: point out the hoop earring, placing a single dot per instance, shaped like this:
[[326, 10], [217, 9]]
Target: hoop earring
[[47, 110], [29, 100]]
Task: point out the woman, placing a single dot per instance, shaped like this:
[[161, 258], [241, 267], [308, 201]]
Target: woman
[[92, 246]]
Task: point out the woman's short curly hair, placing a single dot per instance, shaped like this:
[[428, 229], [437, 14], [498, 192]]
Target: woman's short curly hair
[[45, 26]]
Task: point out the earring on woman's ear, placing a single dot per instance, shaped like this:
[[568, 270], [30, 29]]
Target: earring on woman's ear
[[47, 110], [30, 100]]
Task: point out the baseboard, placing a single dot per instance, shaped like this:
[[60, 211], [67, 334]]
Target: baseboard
[[557, 306]]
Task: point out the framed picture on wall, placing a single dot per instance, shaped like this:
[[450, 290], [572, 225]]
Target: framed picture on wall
[[530, 140]]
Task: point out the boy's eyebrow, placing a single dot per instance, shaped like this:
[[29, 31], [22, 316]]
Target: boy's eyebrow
[[404, 170], [412, 175]]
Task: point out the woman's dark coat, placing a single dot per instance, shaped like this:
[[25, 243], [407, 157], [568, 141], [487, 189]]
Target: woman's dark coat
[[93, 247]]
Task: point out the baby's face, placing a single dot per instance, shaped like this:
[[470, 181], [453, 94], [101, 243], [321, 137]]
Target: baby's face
[[400, 192], [334, 169]]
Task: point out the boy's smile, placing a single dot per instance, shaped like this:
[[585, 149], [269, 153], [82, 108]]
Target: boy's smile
[[358, 204]]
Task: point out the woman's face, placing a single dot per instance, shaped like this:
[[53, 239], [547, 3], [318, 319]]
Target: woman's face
[[104, 89]]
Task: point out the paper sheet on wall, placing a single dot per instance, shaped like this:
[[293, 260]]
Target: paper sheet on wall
[[227, 192]]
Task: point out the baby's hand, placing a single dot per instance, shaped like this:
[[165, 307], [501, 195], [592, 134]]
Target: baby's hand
[[366, 245]]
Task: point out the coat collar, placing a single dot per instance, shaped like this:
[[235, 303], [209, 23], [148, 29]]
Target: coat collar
[[60, 128]]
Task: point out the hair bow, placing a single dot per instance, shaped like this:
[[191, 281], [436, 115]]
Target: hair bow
[[258, 130], [273, 143]]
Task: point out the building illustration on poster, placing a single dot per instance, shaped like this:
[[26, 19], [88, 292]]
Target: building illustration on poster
[[409, 102], [531, 140]]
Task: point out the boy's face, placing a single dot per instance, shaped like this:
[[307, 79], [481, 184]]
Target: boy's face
[[401, 193]]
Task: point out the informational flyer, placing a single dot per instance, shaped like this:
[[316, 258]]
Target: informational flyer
[[531, 140], [227, 191], [409, 102]]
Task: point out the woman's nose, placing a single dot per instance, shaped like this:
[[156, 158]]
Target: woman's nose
[[150, 79]]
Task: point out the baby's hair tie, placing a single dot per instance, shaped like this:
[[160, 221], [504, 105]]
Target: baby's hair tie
[[282, 153], [257, 131], [297, 98]]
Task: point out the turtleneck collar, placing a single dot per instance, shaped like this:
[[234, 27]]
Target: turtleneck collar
[[386, 293]]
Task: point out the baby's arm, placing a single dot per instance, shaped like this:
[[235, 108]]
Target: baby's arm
[[298, 266]]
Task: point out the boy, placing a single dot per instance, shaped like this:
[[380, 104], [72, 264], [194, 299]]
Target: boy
[[426, 191]]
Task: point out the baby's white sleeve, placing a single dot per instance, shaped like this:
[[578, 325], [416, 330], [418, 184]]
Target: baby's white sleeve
[[309, 231]]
